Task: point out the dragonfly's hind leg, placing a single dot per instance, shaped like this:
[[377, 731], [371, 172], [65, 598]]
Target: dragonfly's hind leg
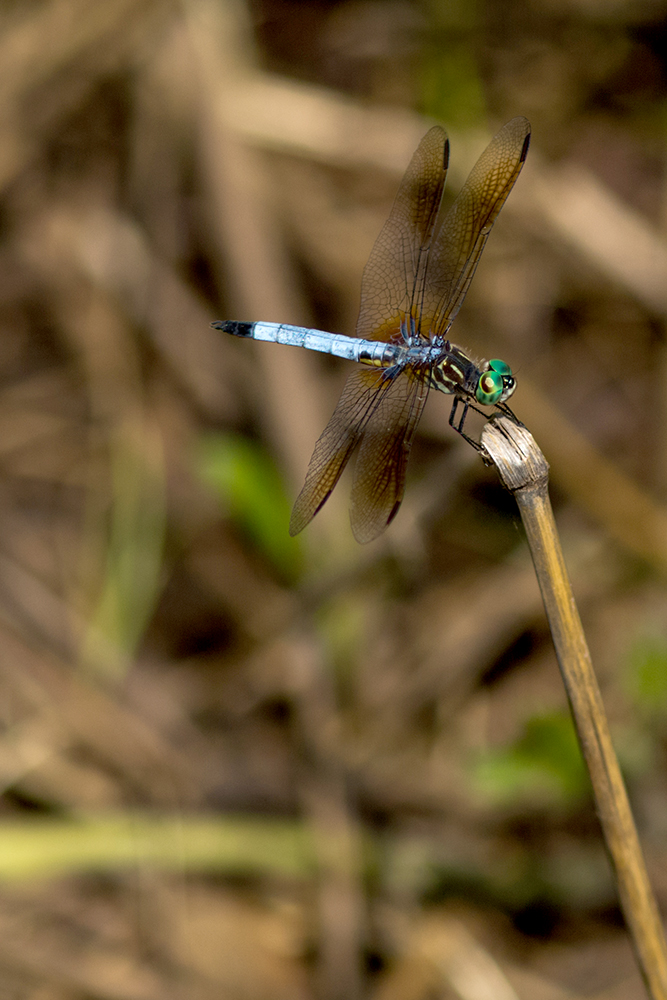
[[458, 426]]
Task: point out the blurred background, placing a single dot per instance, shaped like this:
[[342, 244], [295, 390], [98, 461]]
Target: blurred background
[[235, 764]]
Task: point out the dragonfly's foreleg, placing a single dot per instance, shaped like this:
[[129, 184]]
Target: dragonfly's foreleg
[[457, 425], [505, 410]]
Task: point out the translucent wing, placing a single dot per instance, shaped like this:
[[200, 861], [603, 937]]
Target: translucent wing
[[379, 474], [335, 444], [459, 237], [400, 251], [382, 413]]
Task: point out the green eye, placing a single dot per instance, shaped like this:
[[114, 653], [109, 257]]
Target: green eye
[[499, 366], [490, 386]]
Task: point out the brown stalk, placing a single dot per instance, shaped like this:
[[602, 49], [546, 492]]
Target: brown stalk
[[524, 471]]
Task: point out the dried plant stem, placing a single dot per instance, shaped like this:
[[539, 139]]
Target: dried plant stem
[[524, 471]]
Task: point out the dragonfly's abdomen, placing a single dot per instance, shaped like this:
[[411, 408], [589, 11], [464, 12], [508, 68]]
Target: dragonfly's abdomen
[[369, 352]]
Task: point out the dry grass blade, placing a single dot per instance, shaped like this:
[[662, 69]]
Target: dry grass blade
[[524, 471], [260, 278], [441, 951], [37, 85], [309, 121]]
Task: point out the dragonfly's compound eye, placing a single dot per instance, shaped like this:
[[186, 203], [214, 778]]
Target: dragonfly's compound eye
[[489, 388], [496, 365]]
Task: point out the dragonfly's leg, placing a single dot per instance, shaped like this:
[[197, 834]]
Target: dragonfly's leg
[[458, 427], [467, 405], [504, 409]]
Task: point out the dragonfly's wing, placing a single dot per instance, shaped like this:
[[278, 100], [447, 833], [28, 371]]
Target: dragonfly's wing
[[379, 475], [400, 251], [382, 413], [336, 443], [459, 236]]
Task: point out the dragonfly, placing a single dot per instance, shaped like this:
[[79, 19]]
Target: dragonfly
[[413, 285]]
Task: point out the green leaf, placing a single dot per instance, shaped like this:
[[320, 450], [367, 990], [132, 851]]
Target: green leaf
[[246, 479], [451, 89], [544, 765], [43, 848], [646, 674], [134, 555]]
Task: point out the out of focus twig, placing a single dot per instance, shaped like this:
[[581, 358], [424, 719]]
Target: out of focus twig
[[45, 40], [311, 121], [440, 951], [257, 275]]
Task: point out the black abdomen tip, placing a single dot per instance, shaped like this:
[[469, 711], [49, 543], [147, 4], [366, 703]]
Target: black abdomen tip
[[236, 329]]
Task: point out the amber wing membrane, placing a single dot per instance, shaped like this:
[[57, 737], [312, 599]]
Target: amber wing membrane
[[381, 412], [399, 254], [381, 464], [459, 237]]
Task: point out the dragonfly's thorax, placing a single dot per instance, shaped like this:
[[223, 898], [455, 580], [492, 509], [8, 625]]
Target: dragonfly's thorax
[[454, 372], [489, 382]]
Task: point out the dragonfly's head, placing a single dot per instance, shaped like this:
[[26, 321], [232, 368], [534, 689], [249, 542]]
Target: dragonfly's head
[[496, 384]]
